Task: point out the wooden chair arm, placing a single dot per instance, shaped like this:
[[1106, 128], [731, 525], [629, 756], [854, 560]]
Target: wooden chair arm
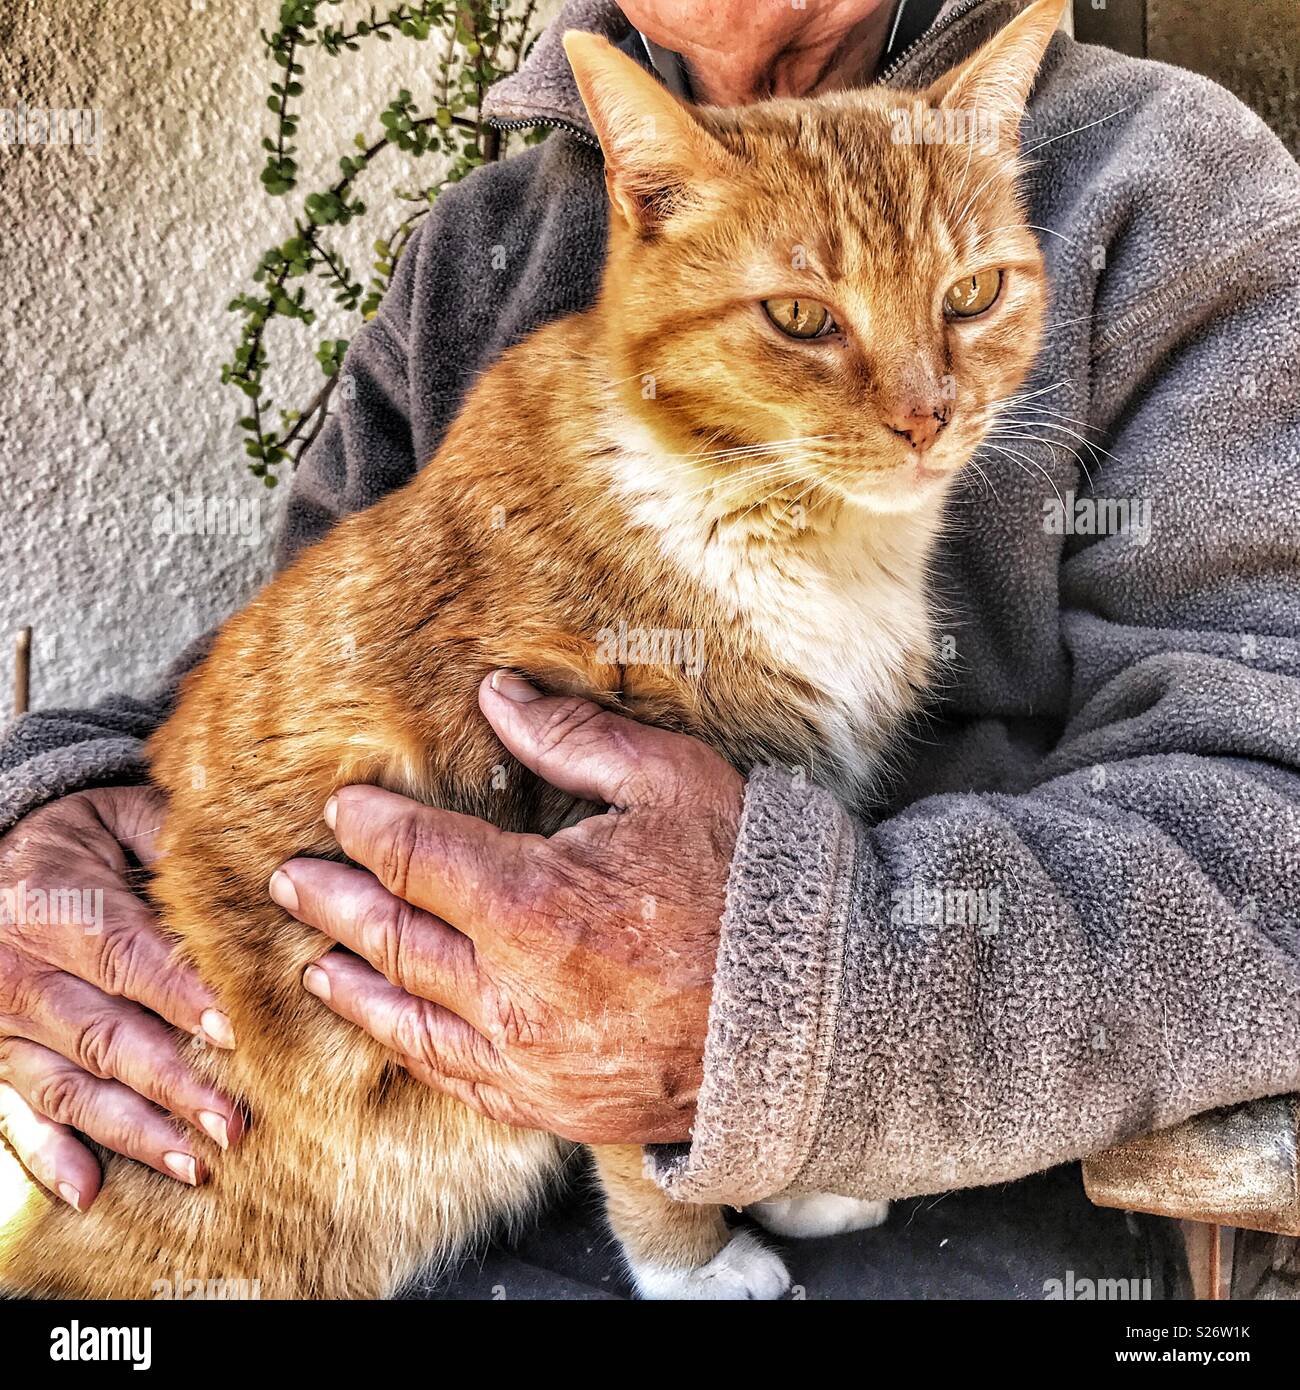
[[1234, 1167]]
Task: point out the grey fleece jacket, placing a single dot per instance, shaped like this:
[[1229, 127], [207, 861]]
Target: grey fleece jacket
[[1080, 917]]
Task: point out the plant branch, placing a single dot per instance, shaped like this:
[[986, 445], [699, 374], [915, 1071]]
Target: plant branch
[[479, 34]]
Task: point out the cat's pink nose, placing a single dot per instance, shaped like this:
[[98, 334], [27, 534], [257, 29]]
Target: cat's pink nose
[[920, 425]]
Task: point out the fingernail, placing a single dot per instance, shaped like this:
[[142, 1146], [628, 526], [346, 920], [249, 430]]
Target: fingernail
[[216, 1028], [282, 889], [514, 687], [215, 1127], [316, 981], [70, 1195], [331, 811], [183, 1166]]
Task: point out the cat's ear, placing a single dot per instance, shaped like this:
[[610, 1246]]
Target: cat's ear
[[656, 152], [995, 81]]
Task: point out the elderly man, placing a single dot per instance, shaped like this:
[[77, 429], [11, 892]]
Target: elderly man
[[1110, 792]]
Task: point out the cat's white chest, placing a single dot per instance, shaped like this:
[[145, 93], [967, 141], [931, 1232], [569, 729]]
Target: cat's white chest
[[850, 631], [844, 614], [833, 610]]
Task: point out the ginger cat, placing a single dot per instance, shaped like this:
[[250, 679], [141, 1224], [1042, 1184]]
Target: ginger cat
[[805, 329]]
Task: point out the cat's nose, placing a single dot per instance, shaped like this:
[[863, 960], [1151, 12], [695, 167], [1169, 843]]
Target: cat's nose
[[920, 425]]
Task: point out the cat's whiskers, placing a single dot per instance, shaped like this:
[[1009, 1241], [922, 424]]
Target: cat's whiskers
[[1050, 328], [1023, 430], [1033, 395], [973, 463], [1004, 164], [1012, 166], [1061, 415], [1085, 425], [724, 504], [1020, 460], [715, 475], [965, 174], [992, 414], [789, 491], [1019, 163], [1050, 445], [741, 479], [1027, 226], [1008, 413], [717, 470], [1029, 416], [778, 493], [600, 363], [1051, 140], [689, 471], [720, 481], [709, 455], [1038, 423], [789, 470]]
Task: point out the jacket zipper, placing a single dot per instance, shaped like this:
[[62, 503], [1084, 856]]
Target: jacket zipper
[[573, 128], [554, 121], [936, 28]]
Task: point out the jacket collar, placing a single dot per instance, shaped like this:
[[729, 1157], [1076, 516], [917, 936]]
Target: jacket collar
[[543, 91]]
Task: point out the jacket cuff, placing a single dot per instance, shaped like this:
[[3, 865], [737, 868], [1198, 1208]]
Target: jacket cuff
[[51, 753], [31, 776], [775, 995]]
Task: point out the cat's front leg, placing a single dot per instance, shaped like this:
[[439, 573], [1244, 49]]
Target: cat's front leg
[[681, 1250], [817, 1214]]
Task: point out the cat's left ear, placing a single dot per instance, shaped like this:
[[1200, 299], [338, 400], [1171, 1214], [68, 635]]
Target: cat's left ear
[[995, 82], [657, 155]]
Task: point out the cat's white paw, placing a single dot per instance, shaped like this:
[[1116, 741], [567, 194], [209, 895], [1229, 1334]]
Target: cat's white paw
[[743, 1268], [817, 1214]]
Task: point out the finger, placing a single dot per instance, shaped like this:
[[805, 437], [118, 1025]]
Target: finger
[[108, 1112], [130, 957], [418, 1029], [101, 931], [461, 869], [133, 816], [114, 1039], [413, 949], [51, 1153], [577, 746]]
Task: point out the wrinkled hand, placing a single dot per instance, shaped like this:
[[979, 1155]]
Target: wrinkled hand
[[560, 984], [86, 981]]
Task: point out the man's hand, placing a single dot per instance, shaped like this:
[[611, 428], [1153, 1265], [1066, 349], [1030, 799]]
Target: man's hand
[[86, 981], [560, 984]]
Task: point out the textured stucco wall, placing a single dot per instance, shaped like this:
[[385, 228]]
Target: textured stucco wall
[[116, 265]]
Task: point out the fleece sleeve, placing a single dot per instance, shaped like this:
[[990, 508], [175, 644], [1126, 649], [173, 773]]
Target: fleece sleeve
[[52, 753], [1124, 946]]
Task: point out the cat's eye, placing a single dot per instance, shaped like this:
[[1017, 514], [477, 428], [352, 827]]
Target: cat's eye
[[973, 294], [800, 318]]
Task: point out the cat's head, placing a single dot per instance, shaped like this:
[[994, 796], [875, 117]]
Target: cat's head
[[822, 300]]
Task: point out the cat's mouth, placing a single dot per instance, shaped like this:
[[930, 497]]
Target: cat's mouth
[[908, 480]]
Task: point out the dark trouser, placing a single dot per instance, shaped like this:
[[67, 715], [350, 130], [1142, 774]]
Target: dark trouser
[[994, 1242]]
